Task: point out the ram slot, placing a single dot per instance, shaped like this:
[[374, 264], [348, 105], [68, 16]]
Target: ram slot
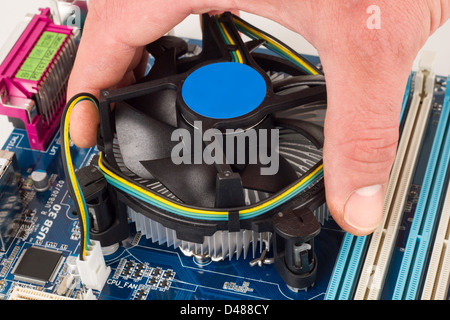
[[351, 254], [382, 241], [345, 272], [437, 280], [420, 235], [406, 99]]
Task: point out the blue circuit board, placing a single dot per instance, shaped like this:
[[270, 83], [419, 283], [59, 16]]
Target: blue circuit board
[[140, 269], [144, 270]]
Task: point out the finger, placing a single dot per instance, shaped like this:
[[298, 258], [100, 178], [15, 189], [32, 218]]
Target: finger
[[84, 122], [141, 66], [111, 47], [92, 73], [366, 71], [114, 30], [361, 137]]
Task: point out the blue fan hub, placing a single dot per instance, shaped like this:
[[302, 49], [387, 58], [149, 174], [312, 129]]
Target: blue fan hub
[[224, 90]]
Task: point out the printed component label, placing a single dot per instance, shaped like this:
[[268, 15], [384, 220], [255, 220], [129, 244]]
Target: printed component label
[[40, 57]]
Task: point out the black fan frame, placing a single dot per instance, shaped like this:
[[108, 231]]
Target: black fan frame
[[213, 50]]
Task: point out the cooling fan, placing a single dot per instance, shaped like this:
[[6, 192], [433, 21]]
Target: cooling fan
[[217, 152]]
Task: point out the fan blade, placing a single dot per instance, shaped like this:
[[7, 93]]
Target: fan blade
[[298, 81], [253, 179], [159, 105], [311, 131], [194, 184], [252, 45], [141, 138]]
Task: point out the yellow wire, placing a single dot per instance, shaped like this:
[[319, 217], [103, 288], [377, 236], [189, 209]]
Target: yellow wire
[[70, 165], [187, 209], [268, 203], [156, 197], [280, 47], [152, 195], [230, 39], [179, 207]]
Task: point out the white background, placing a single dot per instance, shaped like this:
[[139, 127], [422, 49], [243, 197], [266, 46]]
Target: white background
[[13, 11]]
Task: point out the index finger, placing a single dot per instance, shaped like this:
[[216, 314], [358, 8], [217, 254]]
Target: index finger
[[110, 49]]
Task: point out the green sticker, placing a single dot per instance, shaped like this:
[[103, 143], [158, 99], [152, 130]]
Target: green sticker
[[30, 64], [40, 57], [58, 40], [35, 76], [38, 52], [46, 39], [22, 74]]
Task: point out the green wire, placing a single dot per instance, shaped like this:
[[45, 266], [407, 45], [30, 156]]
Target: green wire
[[217, 217], [233, 53], [220, 217], [270, 47]]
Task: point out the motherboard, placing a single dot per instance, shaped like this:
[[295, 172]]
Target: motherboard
[[407, 257], [46, 224]]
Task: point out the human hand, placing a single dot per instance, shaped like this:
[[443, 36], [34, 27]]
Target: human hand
[[366, 72]]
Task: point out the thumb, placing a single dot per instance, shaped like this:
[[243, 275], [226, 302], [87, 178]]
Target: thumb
[[361, 134]]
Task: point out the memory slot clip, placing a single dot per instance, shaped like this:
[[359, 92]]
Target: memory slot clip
[[382, 241]]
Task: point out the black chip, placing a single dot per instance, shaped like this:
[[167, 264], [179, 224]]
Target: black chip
[[38, 265]]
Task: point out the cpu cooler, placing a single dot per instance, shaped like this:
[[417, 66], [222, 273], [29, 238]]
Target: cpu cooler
[[216, 151]]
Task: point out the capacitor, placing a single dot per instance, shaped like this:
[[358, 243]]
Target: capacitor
[[40, 180]]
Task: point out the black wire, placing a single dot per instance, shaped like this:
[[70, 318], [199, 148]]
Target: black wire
[[279, 42], [127, 178]]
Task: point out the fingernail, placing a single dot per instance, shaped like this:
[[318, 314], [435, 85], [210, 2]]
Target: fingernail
[[364, 208]]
